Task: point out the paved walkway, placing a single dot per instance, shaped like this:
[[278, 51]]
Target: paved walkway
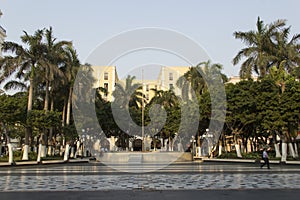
[[192, 176]]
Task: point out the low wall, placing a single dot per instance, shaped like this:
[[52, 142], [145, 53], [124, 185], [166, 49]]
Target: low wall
[[146, 157]]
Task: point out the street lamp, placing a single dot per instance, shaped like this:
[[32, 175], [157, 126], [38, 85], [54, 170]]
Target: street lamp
[[143, 130]]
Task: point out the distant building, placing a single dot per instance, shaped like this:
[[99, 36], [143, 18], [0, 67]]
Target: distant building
[[168, 77], [106, 77], [2, 36], [236, 79]]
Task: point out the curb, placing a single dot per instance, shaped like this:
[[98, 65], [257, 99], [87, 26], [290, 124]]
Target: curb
[[228, 160], [248, 161], [44, 162]]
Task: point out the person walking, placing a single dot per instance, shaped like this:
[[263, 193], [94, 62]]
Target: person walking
[[265, 157]]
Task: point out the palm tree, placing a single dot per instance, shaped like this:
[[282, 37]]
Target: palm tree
[[128, 99], [166, 99], [23, 64], [192, 81], [55, 52], [70, 69], [259, 47], [197, 79], [50, 72], [286, 51], [128, 95]]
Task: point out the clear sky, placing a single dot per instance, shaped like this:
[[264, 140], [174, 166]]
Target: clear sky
[[88, 23]]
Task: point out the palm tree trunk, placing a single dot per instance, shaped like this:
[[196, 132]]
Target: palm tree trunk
[[50, 140], [28, 129], [63, 120], [30, 95], [69, 106], [46, 102]]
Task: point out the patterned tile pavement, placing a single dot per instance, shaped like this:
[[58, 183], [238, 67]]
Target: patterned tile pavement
[[176, 177]]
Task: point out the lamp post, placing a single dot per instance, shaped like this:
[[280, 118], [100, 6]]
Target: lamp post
[[143, 130]]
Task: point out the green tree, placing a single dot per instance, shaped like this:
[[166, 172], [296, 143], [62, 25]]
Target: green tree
[[23, 63]]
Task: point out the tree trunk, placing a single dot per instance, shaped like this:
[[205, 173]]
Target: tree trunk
[[43, 140], [66, 156], [46, 102], [278, 155], [63, 119], [50, 138], [50, 142], [72, 154], [10, 154], [220, 147], [296, 149], [238, 151], [284, 151], [26, 145], [30, 95], [39, 153], [291, 150], [69, 106], [28, 129]]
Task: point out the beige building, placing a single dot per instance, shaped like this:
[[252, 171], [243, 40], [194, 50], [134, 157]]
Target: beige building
[[106, 77], [148, 87], [236, 79], [168, 77], [2, 36]]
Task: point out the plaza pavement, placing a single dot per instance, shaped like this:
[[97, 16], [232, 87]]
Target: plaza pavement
[[193, 180]]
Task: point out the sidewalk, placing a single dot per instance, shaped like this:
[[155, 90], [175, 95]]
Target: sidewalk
[[248, 161], [44, 162], [205, 160]]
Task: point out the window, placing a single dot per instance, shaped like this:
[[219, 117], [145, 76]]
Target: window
[[171, 87], [147, 88], [106, 88], [106, 76], [170, 76], [147, 97]]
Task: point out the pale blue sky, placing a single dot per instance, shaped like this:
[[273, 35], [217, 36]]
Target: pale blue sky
[[88, 23]]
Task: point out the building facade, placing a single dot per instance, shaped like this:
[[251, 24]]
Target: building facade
[[106, 77], [168, 77]]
